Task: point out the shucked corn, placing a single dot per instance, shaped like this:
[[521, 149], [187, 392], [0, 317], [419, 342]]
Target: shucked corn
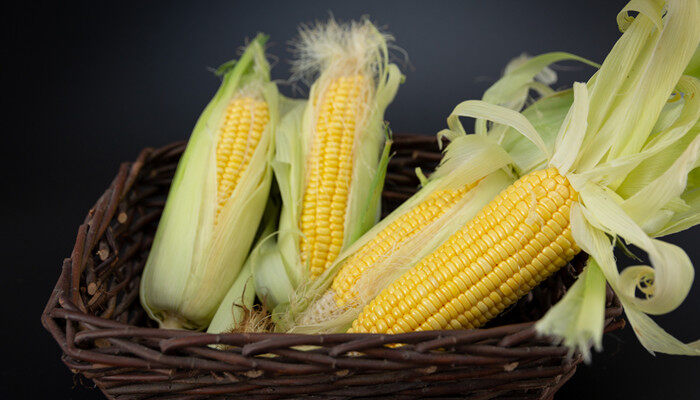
[[515, 242]]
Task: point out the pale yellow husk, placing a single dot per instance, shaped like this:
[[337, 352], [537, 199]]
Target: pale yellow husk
[[196, 255]]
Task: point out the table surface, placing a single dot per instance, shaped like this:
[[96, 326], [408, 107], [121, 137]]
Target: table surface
[[91, 84]]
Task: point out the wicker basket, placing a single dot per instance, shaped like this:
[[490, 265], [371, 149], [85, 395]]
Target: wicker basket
[[95, 316]]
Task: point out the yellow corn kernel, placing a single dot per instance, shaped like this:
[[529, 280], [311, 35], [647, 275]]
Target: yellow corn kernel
[[505, 260], [330, 172], [392, 236], [239, 134]]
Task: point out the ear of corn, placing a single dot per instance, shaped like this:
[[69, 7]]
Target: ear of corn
[[516, 241], [342, 128], [329, 167], [217, 198], [632, 174], [333, 152]]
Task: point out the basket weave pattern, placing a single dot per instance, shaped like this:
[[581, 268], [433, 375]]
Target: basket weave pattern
[[95, 316]]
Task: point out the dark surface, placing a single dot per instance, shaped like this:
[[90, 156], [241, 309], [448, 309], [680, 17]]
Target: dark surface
[[88, 86]]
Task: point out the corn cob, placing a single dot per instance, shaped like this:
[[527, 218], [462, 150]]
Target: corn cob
[[515, 242], [333, 151], [217, 198], [342, 127]]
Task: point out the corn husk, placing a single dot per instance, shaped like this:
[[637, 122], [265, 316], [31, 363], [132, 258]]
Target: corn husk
[[238, 304], [325, 52], [194, 261], [238, 300], [274, 278], [632, 166]]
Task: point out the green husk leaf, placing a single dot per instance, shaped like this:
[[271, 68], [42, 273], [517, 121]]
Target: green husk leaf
[[648, 205], [289, 172], [673, 138], [374, 201], [239, 297], [693, 68], [546, 116], [672, 270], [272, 283], [645, 65], [579, 316], [511, 90], [482, 110], [633, 169], [595, 242], [620, 244], [654, 338], [573, 130], [688, 217]]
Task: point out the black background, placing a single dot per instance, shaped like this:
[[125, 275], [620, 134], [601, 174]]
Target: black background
[[86, 85]]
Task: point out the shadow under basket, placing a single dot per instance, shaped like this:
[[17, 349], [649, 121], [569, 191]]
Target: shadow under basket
[[95, 316]]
